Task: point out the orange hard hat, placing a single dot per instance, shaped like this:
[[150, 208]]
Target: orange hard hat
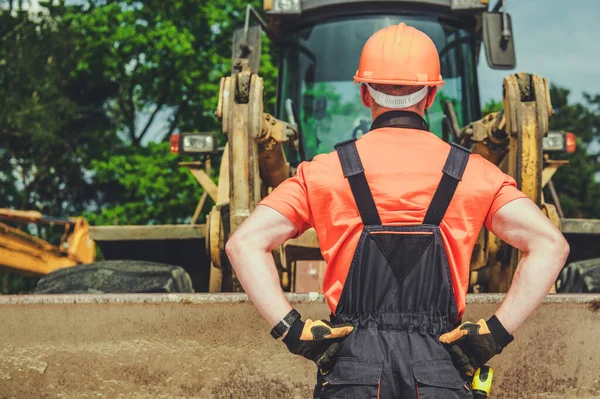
[[399, 55]]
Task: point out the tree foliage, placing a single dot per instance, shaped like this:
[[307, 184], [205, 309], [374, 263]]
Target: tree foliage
[[144, 186], [578, 182], [51, 125], [84, 86], [492, 106], [164, 60], [87, 88], [163, 57]]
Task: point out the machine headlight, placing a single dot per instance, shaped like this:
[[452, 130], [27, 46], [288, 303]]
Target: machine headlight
[[560, 142], [283, 6], [468, 4], [193, 143]]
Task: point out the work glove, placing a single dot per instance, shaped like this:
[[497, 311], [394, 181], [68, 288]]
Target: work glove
[[319, 341], [471, 345]]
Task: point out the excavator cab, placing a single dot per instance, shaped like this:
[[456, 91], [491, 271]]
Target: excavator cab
[[320, 46], [319, 61]]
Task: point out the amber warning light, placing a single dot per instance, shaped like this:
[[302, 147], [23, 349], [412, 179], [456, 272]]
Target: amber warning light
[[175, 143], [559, 141], [570, 142]]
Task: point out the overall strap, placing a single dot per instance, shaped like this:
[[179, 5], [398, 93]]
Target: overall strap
[[401, 119], [354, 172], [453, 172]]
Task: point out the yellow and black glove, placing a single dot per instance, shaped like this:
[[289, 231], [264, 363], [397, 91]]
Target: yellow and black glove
[[319, 341], [471, 345]]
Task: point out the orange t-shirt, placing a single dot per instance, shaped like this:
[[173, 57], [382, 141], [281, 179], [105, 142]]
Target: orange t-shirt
[[403, 168]]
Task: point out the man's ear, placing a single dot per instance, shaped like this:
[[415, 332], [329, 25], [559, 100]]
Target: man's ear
[[365, 96], [431, 96]]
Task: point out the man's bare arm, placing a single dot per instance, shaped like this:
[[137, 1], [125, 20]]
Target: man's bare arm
[[249, 251], [521, 224]]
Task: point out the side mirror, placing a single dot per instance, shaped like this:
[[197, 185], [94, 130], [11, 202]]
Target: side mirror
[[498, 40]]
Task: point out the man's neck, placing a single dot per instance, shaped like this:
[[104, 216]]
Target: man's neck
[[375, 112], [400, 119]]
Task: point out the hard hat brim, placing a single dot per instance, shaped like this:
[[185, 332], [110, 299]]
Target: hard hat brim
[[438, 82]]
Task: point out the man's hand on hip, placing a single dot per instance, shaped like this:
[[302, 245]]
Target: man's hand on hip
[[319, 341], [471, 345]]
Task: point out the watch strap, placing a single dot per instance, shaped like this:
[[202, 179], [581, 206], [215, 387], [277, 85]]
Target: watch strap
[[285, 323], [498, 331]]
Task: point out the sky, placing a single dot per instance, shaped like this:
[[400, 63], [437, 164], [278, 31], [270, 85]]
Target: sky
[[556, 39]]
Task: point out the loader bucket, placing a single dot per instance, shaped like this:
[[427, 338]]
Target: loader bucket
[[218, 346]]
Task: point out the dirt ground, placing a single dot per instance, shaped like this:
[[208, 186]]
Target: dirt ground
[[196, 346]]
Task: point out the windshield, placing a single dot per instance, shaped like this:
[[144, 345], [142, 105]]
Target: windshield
[[319, 63]]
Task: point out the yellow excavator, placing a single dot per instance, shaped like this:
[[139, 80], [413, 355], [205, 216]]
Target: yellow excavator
[[70, 266], [26, 254], [319, 43]]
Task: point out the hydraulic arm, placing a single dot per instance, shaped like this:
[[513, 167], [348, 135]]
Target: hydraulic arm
[[513, 140], [254, 158], [25, 254]]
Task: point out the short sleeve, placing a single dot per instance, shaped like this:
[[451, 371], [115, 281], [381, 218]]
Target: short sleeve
[[504, 191], [290, 199]]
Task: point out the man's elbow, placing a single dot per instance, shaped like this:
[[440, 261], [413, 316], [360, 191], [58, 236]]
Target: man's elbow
[[559, 247], [563, 247], [233, 246], [551, 246], [241, 243]]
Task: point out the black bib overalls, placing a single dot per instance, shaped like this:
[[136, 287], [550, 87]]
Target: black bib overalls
[[398, 294]]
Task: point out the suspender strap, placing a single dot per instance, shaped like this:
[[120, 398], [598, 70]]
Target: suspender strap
[[453, 172], [402, 119], [354, 172]]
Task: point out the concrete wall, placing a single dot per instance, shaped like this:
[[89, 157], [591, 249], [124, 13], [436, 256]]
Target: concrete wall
[[216, 346]]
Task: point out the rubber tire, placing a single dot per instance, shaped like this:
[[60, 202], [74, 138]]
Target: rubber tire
[[116, 276], [580, 277]]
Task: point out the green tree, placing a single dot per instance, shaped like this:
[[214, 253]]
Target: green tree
[[83, 83], [577, 182], [492, 106], [82, 87], [162, 58], [51, 125], [144, 186]]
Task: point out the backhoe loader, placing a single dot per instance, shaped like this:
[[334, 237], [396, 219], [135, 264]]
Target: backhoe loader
[[319, 43], [318, 105]]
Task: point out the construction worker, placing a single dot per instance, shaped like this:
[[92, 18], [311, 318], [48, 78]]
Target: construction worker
[[397, 214]]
